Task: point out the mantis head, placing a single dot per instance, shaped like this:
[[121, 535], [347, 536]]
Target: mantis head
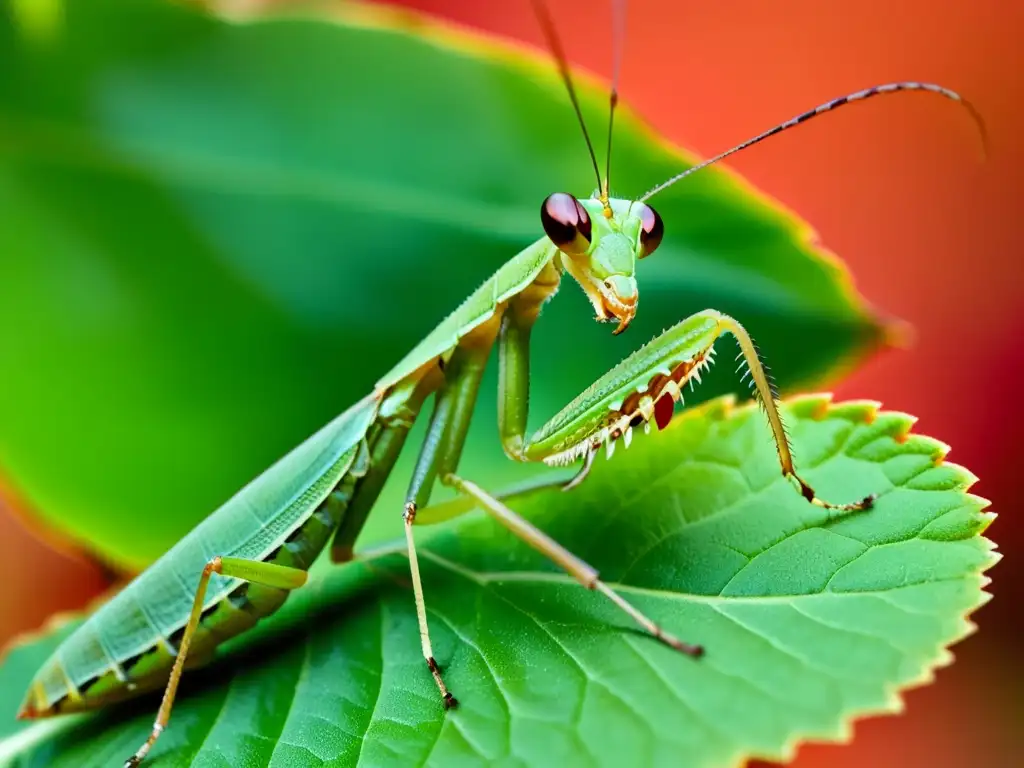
[[600, 244], [600, 239]]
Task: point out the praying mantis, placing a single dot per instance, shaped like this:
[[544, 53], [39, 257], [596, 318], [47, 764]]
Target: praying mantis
[[240, 564]]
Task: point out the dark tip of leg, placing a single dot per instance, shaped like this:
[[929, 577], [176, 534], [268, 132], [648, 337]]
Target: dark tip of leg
[[696, 651], [869, 501], [807, 491], [132, 762], [450, 702]]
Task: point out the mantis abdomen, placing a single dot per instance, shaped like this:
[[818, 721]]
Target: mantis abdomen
[[129, 644]]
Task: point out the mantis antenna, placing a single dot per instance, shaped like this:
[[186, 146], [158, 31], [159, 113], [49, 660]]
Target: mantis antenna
[[828, 106], [555, 44], [619, 31]]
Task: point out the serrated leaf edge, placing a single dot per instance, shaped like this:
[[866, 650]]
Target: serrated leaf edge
[[814, 406], [821, 406]]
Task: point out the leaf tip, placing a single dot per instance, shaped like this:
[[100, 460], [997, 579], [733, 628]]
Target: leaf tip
[[894, 333], [814, 405]]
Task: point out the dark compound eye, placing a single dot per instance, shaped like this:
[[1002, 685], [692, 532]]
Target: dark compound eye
[[652, 229], [566, 222]]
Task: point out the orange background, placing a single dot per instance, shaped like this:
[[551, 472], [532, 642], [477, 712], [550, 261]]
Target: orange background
[[895, 187]]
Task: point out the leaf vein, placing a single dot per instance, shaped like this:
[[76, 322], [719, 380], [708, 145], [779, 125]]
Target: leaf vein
[[380, 684]]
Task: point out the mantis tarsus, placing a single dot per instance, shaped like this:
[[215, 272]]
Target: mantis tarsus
[[264, 539]]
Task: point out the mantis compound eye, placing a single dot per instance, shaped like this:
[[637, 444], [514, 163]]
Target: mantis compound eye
[[566, 222], [652, 229]]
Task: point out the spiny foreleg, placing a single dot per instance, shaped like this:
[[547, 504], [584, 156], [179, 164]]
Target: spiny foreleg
[[767, 397], [642, 388]]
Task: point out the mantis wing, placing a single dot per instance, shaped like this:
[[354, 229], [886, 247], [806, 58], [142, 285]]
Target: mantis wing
[[252, 524]]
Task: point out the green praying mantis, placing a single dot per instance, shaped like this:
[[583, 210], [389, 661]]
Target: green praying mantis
[[241, 562]]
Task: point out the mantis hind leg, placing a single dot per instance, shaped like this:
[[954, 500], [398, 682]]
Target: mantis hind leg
[[266, 574], [574, 566]]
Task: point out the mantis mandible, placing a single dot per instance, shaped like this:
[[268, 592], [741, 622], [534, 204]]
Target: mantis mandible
[[241, 562]]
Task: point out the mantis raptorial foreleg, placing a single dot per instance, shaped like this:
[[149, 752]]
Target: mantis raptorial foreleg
[[253, 571], [652, 379], [765, 394]]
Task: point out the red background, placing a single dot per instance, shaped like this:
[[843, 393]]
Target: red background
[[896, 188]]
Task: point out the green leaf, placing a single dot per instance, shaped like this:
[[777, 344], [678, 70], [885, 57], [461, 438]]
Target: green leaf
[[807, 623], [215, 236]]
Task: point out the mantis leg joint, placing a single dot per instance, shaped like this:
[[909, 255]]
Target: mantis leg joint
[[449, 701], [808, 493], [409, 512]]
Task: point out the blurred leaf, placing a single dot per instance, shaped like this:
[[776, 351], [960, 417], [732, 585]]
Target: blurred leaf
[[807, 623], [39, 20], [215, 236]]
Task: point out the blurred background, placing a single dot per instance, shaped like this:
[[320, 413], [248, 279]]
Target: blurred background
[[930, 234]]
